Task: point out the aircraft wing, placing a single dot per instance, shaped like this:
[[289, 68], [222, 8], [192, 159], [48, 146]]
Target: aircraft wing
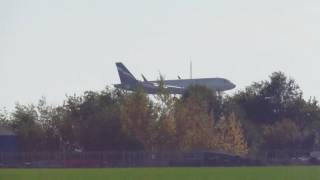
[[175, 83]]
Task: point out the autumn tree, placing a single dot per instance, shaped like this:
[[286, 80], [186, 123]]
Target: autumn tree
[[165, 124], [231, 136], [194, 121], [138, 118], [194, 126]]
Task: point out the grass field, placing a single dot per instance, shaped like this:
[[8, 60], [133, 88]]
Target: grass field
[[246, 173]]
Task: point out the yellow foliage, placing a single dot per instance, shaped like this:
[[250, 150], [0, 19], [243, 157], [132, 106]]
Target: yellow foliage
[[185, 126], [194, 126], [137, 117], [231, 136]]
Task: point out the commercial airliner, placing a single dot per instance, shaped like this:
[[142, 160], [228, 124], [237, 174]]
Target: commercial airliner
[[129, 82]]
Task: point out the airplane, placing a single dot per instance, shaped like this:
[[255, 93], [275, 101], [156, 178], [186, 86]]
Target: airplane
[[129, 82]]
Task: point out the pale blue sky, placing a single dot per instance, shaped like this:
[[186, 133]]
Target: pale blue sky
[[53, 48]]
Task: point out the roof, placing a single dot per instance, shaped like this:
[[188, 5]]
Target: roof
[[6, 132]]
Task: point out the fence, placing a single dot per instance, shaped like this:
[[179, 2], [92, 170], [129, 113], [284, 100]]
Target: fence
[[87, 159], [148, 159]]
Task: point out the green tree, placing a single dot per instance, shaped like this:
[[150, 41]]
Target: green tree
[[269, 101], [4, 118], [28, 130], [92, 122], [51, 138], [286, 135]]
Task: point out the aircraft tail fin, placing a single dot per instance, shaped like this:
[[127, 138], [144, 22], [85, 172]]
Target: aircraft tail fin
[[125, 76]]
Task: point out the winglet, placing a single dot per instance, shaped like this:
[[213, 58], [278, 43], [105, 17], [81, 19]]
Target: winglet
[[144, 78]]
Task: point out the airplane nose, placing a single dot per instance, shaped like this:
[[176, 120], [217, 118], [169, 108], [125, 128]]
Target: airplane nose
[[233, 86]]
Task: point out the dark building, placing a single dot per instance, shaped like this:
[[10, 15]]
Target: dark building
[[8, 140]]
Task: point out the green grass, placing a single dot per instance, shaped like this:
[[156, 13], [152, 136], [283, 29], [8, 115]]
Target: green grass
[[246, 173]]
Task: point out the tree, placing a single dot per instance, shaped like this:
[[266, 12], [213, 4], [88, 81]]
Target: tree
[[212, 99], [165, 124], [51, 138], [231, 136], [194, 126], [4, 118], [286, 135], [138, 118], [198, 130], [195, 120], [266, 115], [92, 122], [269, 101], [265, 103], [28, 130]]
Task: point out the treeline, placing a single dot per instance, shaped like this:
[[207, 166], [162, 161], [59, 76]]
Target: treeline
[[267, 115]]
